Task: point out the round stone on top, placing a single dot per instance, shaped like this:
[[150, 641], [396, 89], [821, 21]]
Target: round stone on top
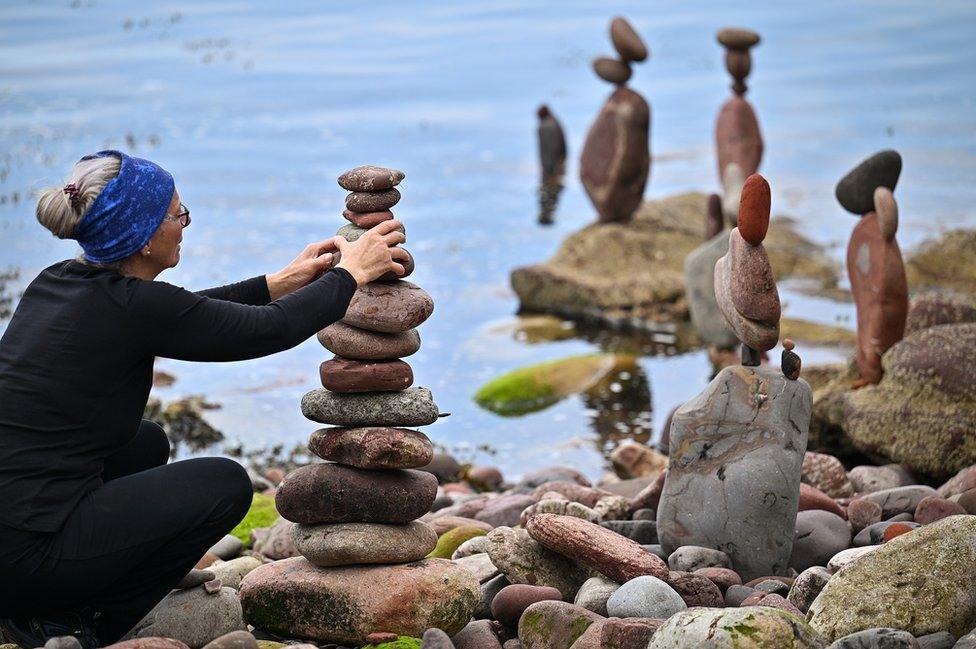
[[736, 38], [628, 44], [855, 191], [612, 70], [754, 209], [370, 179]]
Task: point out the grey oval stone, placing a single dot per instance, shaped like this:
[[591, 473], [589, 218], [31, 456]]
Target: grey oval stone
[[410, 407], [343, 544]]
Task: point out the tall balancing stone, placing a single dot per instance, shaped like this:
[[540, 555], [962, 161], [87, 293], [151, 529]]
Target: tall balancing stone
[[737, 136], [363, 567], [736, 450], [874, 263], [552, 157], [616, 158]]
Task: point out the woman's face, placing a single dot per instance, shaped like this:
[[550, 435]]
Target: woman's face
[[164, 247]]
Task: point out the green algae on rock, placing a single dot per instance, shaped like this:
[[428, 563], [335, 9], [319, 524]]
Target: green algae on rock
[[948, 262], [552, 624], [451, 540], [403, 642], [262, 513], [749, 627], [536, 387], [920, 582]]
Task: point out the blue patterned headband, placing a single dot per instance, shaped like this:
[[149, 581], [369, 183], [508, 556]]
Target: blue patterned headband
[[128, 210]]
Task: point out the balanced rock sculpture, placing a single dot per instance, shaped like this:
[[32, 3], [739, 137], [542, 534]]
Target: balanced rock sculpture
[[874, 263], [363, 567], [737, 136], [736, 450], [616, 158]]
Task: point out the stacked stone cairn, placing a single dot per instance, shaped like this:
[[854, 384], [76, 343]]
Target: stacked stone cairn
[[739, 145], [616, 158], [737, 449], [874, 262], [355, 513]]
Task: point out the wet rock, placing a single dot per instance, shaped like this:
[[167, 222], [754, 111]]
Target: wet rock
[[511, 601], [616, 158], [855, 191], [333, 493], [525, 561], [757, 626], [692, 557], [919, 582], [352, 342], [612, 70], [361, 543], [826, 473], [553, 625], [625, 40], [194, 617], [373, 201], [369, 178], [410, 407], [614, 556], [343, 605], [807, 586], [594, 593], [372, 448], [645, 596], [346, 375], [389, 307], [736, 487], [819, 536]]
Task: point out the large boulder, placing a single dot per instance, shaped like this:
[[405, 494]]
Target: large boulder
[[194, 616], [920, 582], [554, 625], [294, 598], [750, 627]]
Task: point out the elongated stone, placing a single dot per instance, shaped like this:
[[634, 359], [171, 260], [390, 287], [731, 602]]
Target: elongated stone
[[367, 219], [855, 191], [737, 137], [348, 375], [369, 178], [758, 334], [372, 201], [343, 544], [355, 343], [625, 40], [334, 493], [612, 70], [389, 307], [373, 448], [410, 407]]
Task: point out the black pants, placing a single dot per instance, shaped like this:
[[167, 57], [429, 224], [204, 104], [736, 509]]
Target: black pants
[[130, 541]]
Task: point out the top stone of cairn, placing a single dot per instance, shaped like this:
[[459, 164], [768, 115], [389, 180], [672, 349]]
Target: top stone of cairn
[[628, 44], [370, 179], [855, 191], [736, 38]]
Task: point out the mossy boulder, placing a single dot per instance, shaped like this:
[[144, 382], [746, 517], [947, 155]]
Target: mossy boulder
[[451, 540], [554, 625], [536, 387], [920, 582], [270, 644], [749, 627], [923, 412], [403, 642], [262, 513], [948, 262]]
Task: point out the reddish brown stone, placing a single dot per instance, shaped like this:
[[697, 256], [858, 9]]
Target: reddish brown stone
[[348, 375], [352, 342], [714, 219], [380, 637], [753, 221], [628, 633], [485, 478], [577, 493], [721, 577], [778, 601], [372, 201], [696, 590], [389, 307], [612, 70], [862, 513], [616, 157], [372, 448], [932, 508], [895, 530], [334, 493], [754, 598], [880, 292], [826, 473], [650, 496], [456, 488], [609, 553], [511, 601], [813, 498], [206, 561], [625, 40], [149, 643], [737, 137], [369, 178], [753, 288], [367, 219], [274, 474], [758, 580], [967, 500]]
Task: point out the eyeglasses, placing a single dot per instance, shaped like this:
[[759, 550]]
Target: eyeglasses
[[183, 216]]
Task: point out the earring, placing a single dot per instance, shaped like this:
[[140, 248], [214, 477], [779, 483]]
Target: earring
[[147, 252]]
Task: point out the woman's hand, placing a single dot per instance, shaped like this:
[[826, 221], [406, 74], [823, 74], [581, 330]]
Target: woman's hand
[[307, 266], [373, 254]]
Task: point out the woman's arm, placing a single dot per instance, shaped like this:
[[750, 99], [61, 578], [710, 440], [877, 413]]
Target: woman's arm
[[254, 291]]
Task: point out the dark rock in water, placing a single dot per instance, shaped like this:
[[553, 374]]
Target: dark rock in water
[[389, 307], [616, 158], [410, 407], [552, 143], [939, 307], [790, 362], [733, 482], [372, 201], [352, 342], [372, 448], [349, 375], [714, 219], [612, 70], [294, 598], [855, 191], [367, 220], [625, 40], [370, 179], [700, 292], [334, 493], [342, 544]]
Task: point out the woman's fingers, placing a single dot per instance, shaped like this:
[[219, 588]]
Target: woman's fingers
[[398, 269], [393, 238], [399, 254], [387, 226]]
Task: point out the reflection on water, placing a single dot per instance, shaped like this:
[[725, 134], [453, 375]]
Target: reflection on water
[[619, 409], [549, 191]]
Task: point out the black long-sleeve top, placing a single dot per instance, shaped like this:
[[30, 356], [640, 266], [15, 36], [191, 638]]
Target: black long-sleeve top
[[76, 367]]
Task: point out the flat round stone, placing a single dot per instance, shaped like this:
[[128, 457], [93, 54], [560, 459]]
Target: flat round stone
[[352, 342], [886, 208], [351, 232], [389, 307], [737, 39], [335, 493], [754, 207], [373, 447], [372, 201], [410, 407], [343, 544], [348, 375], [367, 219], [370, 179], [855, 191], [625, 40], [408, 268], [612, 70]]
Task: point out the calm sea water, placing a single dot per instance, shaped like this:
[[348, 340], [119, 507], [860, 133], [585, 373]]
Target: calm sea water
[[256, 107]]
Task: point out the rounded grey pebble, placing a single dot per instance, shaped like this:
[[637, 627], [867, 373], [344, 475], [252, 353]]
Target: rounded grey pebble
[[645, 596], [436, 639], [644, 532], [690, 558], [807, 586], [594, 594], [736, 593], [773, 586], [878, 638], [940, 640]]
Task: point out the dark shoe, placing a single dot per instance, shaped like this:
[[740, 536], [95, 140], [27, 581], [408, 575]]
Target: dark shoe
[[29, 633]]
